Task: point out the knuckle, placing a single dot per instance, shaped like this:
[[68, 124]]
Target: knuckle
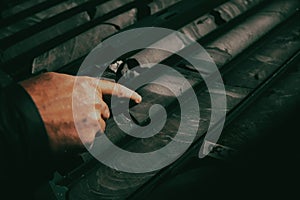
[[120, 91], [48, 75], [103, 106]]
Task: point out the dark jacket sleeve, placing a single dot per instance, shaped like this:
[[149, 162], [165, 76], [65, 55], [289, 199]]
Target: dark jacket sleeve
[[24, 142]]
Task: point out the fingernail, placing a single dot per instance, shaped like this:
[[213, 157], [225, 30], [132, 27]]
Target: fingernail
[[139, 100]]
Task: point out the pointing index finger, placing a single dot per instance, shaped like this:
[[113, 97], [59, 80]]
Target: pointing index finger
[[112, 88]]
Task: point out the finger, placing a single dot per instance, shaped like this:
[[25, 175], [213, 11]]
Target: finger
[[103, 108], [102, 125], [112, 88]]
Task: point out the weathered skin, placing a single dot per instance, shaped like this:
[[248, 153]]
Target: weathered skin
[[53, 96]]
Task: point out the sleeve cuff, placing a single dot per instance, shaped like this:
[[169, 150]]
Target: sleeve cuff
[[34, 134]]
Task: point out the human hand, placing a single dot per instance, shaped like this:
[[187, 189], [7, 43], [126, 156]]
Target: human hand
[[54, 98]]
